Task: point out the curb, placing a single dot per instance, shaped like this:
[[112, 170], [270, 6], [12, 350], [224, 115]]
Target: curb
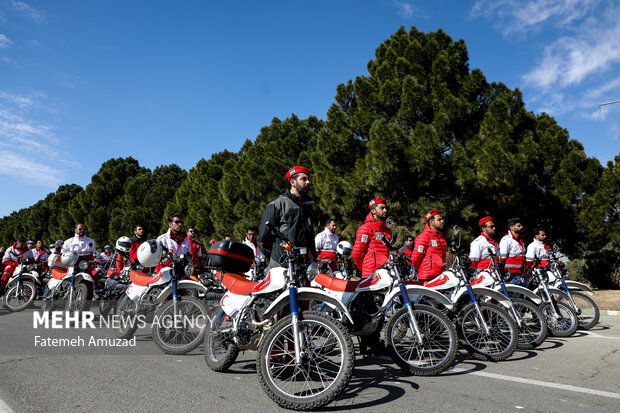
[[614, 313]]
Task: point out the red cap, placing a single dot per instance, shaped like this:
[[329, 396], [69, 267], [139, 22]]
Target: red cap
[[484, 221], [297, 170], [376, 201], [430, 213]]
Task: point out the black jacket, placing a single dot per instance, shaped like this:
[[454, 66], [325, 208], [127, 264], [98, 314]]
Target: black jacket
[[294, 219]]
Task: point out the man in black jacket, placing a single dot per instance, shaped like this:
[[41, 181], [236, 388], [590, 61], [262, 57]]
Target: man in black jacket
[[291, 212]]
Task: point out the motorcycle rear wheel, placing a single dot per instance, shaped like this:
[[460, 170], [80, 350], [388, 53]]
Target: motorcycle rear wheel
[[439, 341], [15, 300], [220, 348], [499, 344], [533, 329], [587, 309], [325, 369]]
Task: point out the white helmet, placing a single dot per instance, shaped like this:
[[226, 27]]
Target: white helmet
[[123, 244], [344, 248], [149, 253], [68, 259]]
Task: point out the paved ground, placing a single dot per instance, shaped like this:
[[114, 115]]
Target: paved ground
[[574, 374]]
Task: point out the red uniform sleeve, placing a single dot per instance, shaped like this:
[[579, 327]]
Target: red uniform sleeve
[[362, 239], [419, 250]]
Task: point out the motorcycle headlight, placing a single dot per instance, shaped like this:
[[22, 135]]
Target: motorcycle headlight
[[312, 271], [83, 265], [189, 269]]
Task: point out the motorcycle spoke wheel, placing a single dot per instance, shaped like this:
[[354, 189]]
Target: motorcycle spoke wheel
[[182, 331], [219, 346], [78, 303], [501, 340], [434, 354], [587, 310], [325, 368], [563, 326], [533, 328], [127, 311], [19, 297]]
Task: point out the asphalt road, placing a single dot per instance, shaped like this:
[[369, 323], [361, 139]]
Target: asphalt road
[[575, 374]]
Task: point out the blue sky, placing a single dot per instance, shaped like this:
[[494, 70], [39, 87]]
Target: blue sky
[[175, 81]]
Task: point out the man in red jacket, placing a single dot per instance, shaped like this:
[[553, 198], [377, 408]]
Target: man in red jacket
[[430, 248], [369, 252]]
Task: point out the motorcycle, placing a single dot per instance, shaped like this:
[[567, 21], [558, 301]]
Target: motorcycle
[[485, 328], [66, 287], [159, 298], [586, 308], [305, 359], [526, 313], [22, 288], [562, 320], [419, 339]]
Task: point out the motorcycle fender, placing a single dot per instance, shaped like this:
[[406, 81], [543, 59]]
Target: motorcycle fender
[[83, 276], [305, 294], [134, 292], [25, 277], [419, 292], [574, 285], [496, 295], [181, 285], [52, 283], [517, 289]]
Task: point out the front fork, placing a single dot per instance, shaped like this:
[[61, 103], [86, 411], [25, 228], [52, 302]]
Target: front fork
[[72, 285], [413, 323], [473, 299], [570, 297], [513, 310], [550, 299]]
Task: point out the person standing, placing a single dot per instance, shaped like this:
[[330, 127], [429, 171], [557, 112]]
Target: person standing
[[537, 249], [259, 258], [84, 247], [175, 240], [512, 250], [196, 249], [479, 248], [369, 252], [407, 247], [430, 248], [291, 212], [326, 242]]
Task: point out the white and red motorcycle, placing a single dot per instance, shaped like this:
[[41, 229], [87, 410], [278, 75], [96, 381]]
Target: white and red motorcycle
[[66, 287], [21, 289]]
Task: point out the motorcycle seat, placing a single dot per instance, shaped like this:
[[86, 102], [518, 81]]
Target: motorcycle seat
[[336, 284], [238, 284], [139, 278], [59, 273]]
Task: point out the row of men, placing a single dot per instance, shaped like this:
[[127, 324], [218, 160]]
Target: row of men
[[292, 213]]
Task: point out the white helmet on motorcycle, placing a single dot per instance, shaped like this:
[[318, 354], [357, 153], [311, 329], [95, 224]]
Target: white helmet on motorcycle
[[149, 253], [68, 259], [123, 245], [344, 248]]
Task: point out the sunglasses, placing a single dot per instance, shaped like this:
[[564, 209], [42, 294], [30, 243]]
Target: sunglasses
[[177, 221], [490, 226]]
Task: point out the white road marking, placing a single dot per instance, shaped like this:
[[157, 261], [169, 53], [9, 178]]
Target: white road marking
[[589, 333], [557, 386], [4, 408]]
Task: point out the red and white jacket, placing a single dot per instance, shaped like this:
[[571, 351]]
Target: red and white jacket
[[82, 245], [537, 250], [479, 252], [40, 255], [13, 255], [326, 243], [429, 254], [177, 249], [512, 251], [369, 252]]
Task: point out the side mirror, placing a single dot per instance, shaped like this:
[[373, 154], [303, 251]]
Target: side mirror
[[456, 230], [389, 222]]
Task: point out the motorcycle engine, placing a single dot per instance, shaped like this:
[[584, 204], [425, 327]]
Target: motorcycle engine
[[365, 306]]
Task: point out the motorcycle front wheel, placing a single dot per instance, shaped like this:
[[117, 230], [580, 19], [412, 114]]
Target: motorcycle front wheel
[[501, 340], [180, 330], [79, 300], [565, 324], [587, 309], [219, 346], [434, 354], [325, 368], [127, 311], [19, 297]]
